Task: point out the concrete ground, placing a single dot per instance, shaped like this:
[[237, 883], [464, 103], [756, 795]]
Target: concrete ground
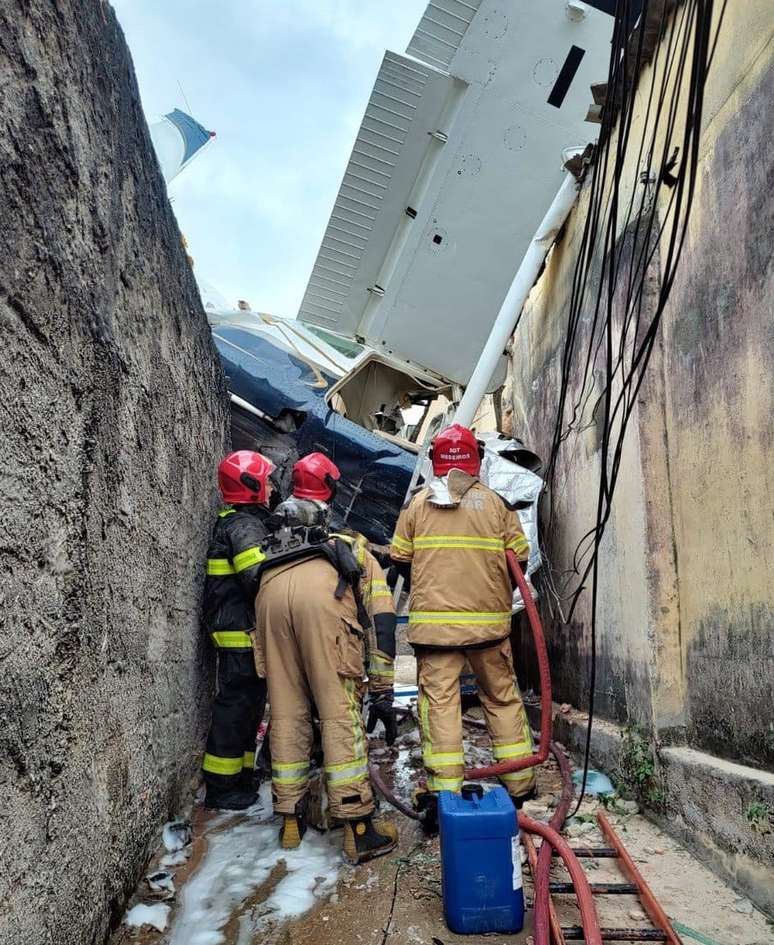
[[397, 899]]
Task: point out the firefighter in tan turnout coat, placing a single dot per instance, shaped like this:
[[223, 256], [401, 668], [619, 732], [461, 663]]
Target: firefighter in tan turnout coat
[[313, 627], [453, 536]]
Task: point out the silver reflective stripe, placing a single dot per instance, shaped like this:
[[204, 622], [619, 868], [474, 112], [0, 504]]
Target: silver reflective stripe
[[342, 774]]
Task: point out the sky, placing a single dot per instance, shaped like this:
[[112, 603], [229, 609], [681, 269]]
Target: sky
[[284, 85]]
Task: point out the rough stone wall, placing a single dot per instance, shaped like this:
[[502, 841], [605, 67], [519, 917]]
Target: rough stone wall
[[113, 416]]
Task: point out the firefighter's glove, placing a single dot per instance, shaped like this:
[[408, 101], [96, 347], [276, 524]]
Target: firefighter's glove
[[380, 710]]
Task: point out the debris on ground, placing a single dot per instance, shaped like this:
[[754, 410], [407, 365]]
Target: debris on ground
[[156, 916], [161, 882], [597, 783], [176, 834], [237, 887]]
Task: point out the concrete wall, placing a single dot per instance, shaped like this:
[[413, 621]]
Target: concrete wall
[[112, 419], [685, 631]]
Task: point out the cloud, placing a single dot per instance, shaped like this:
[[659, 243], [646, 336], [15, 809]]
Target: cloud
[[284, 85]]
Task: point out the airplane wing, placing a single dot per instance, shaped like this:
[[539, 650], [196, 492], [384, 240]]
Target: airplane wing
[[460, 152]]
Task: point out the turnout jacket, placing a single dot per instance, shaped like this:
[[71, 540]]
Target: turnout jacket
[[461, 590], [233, 566], [377, 600]]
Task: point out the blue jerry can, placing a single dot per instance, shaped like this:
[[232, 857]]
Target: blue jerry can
[[480, 862]]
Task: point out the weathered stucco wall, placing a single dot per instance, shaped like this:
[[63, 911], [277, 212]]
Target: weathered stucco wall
[[685, 614], [719, 353], [685, 622], [112, 421]]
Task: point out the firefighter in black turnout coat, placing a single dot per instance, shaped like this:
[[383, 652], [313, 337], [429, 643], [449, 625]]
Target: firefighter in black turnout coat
[[233, 565]]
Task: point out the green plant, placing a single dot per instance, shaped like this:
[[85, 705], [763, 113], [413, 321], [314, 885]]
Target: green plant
[[760, 816], [585, 818], [638, 769]]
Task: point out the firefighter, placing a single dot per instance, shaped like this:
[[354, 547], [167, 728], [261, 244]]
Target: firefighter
[[314, 615], [229, 615], [450, 542]]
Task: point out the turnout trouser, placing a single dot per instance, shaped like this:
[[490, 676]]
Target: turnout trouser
[[440, 715], [312, 649], [237, 711]]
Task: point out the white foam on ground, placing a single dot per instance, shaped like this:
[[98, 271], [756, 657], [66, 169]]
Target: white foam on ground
[[156, 915], [239, 859]]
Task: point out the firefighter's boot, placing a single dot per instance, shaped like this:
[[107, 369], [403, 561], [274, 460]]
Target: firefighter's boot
[[426, 805], [365, 839], [232, 799], [519, 800], [292, 830]]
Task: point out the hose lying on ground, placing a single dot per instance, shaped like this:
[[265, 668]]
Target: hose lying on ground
[[588, 912], [541, 877]]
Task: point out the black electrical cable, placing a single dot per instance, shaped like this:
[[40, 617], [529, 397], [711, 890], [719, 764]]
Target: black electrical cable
[[679, 65]]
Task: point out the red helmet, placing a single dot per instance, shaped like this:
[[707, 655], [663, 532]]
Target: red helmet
[[456, 448], [315, 477], [243, 478]]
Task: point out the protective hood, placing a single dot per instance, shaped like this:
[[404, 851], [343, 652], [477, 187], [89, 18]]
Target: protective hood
[[446, 492]]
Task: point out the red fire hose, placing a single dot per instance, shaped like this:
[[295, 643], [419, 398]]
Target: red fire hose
[[541, 876], [538, 757], [589, 920]]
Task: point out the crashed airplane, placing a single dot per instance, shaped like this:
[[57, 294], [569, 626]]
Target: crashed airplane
[[464, 143]]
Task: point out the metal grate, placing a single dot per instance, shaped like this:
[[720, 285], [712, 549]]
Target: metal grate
[[441, 31]]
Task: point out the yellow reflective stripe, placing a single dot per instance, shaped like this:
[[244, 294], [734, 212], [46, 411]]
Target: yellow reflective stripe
[[357, 544], [444, 784], [518, 544], [380, 666], [295, 772], [379, 589], [248, 759], [219, 566], [232, 639], [443, 759], [289, 779], [514, 750], [424, 723], [346, 772], [347, 775], [343, 765], [247, 558], [517, 777], [458, 617], [459, 541], [353, 706], [215, 765], [401, 543], [227, 511], [491, 540]]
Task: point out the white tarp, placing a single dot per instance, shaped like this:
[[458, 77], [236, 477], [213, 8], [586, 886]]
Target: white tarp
[[517, 485]]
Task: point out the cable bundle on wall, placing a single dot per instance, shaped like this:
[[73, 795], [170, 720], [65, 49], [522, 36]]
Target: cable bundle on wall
[[624, 240]]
